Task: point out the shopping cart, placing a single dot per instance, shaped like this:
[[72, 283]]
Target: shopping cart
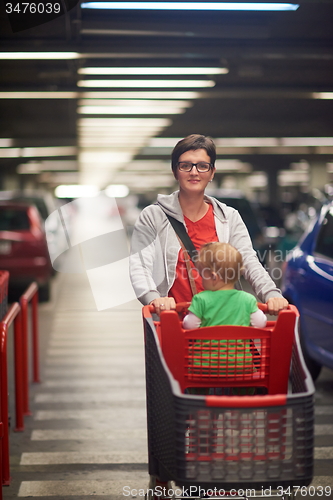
[[247, 445]]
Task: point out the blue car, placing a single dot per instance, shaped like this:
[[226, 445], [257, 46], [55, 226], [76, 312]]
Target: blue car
[[308, 284]]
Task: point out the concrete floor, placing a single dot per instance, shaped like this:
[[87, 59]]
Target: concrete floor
[[87, 433]]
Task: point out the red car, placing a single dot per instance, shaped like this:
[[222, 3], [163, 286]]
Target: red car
[[23, 247]]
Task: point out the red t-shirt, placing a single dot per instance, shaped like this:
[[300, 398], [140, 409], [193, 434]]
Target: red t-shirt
[[200, 232]]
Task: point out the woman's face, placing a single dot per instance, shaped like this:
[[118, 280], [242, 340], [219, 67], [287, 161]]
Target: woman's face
[[194, 181]]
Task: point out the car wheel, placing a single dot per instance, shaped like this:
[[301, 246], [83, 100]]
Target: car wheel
[[44, 292]]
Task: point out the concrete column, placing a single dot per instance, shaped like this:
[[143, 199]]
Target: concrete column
[[272, 186], [318, 175]]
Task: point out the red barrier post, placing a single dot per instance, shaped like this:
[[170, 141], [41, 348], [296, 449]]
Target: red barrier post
[[4, 278], [13, 315], [30, 295]]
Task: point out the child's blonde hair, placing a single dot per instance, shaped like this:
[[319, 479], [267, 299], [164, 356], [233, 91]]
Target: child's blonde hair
[[222, 259]]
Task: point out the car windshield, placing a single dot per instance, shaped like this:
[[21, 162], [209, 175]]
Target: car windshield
[[13, 220]]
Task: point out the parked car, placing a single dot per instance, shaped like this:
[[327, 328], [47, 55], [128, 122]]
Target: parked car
[[23, 247], [308, 284]]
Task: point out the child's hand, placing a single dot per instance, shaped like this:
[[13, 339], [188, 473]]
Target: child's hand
[[163, 304], [276, 304]]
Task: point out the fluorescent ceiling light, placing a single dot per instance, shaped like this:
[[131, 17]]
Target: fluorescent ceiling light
[[124, 122], [307, 141], [232, 166], [39, 55], [95, 156], [117, 191], [129, 103], [37, 152], [152, 71], [76, 191], [101, 95], [322, 95], [190, 6], [38, 95], [46, 166], [6, 143], [51, 151], [125, 110], [114, 142], [140, 95], [10, 152], [59, 177], [251, 142], [146, 83]]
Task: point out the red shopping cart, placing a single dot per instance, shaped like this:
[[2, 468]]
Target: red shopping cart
[[220, 442]]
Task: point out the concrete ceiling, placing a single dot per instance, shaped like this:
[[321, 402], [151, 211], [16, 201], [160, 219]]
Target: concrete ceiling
[[280, 64]]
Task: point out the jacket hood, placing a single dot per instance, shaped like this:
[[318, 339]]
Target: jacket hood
[[170, 204]]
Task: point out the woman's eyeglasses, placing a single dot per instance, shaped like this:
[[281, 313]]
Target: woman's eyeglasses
[[201, 166]]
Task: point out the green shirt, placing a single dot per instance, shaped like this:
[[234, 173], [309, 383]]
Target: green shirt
[[223, 307]]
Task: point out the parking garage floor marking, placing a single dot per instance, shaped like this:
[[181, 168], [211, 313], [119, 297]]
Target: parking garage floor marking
[[108, 414], [103, 371], [115, 395], [324, 452], [81, 488], [323, 410], [323, 430], [105, 382], [95, 361], [80, 457], [322, 481], [88, 434]]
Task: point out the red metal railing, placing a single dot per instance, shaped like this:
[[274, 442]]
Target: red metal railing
[[30, 295], [13, 315], [4, 279]]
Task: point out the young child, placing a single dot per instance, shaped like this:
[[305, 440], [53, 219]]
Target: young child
[[220, 267]]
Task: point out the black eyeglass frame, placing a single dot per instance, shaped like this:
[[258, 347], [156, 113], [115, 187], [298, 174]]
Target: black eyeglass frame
[[195, 165]]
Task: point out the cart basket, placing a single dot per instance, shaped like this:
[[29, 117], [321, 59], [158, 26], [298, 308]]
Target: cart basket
[[226, 441]]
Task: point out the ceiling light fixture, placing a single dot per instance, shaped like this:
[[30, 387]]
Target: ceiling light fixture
[[39, 55], [125, 110], [322, 95], [191, 6], [140, 95], [152, 71], [146, 83], [6, 143], [76, 191], [129, 103], [117, 191]]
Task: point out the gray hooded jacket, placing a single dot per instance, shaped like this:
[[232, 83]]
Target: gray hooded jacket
[[155, 248]]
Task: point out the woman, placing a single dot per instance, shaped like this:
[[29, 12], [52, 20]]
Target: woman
[[158, 270]]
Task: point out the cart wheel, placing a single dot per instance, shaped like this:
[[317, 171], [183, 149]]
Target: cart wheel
[[154, 482]]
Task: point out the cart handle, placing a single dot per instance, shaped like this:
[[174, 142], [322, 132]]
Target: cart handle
[[180, 307], [183, 307]]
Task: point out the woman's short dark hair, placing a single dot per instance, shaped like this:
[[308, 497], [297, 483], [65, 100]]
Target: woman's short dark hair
[[193, 142]]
